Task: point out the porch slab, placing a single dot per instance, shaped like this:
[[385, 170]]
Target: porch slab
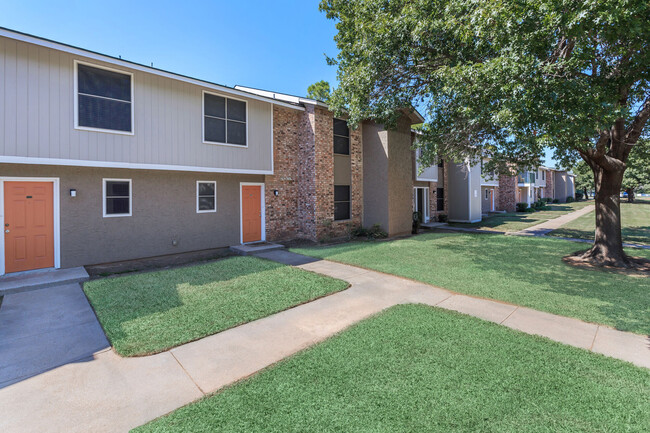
[[40, 279], [249, 249]]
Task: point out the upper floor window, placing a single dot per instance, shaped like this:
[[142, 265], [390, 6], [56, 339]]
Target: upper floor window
[[543, 175], [341, 137], [224, 120], [103, 99]]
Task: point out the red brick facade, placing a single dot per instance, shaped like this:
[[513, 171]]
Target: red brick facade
[[507, 193], [549, 189], [304, 177]]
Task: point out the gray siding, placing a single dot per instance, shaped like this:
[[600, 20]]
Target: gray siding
[[464, 192], [37, 118], [375, 175]]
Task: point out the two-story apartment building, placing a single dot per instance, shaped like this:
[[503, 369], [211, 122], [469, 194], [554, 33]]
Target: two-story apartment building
[[105, 160]]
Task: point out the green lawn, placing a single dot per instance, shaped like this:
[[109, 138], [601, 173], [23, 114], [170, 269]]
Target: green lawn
[[415, 368], [512, 222], [635, 221], [151, 312], [525, 271]]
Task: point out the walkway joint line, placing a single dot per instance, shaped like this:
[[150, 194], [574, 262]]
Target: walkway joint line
[[513, 312], [187, 373], [591, 348]]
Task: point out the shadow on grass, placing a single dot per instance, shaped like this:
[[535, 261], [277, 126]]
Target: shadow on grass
[[524, 271]]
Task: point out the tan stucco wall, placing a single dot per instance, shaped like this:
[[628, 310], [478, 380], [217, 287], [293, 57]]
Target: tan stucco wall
[[164, 209], [375, 175], [400, 179]]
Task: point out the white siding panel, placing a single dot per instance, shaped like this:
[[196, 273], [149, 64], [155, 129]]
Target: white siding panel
[[37, 114]]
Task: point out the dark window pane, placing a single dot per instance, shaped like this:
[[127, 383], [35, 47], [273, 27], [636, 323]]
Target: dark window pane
[[215, 130], [236, 133], [104, 113], [206, 203], [100, 82], [236, 110], [342, 210], [206, 189], [117, 189], [341, 193], [341, 145], [215, 106], [341, 128], [117, 206]]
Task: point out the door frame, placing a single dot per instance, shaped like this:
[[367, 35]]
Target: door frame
[[426, 216], [56, 199], [262, 207]]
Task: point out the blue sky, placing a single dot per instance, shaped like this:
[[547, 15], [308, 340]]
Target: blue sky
[[276, 45]]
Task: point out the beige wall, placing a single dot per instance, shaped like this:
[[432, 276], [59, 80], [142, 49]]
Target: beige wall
[[37, 117], [164, 209], [375, 175], [400, 179]]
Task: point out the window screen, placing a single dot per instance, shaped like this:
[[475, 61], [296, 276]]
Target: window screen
[[341, 202], [118, 197], [104, 99], [206, 196], [341, 137], [224, 120]]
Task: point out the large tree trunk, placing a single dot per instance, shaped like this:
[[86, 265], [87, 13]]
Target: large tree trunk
[[630, 195], [608, 242]]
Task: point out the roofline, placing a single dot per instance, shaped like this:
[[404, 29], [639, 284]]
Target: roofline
[[59, 46]]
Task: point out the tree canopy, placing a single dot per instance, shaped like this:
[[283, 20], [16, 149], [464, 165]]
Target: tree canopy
[[319, 90], [505, 80], [637, 174]]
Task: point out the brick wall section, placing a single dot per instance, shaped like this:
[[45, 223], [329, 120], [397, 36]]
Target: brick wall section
[[506, 193], [282, 211], [304, 177], [549, 189]]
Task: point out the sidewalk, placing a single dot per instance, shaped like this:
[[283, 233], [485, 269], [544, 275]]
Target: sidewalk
[[110, 393], [550, 225]]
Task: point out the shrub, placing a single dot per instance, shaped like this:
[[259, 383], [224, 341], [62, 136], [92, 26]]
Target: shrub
[[556, 200], [374, 232], [570, 199], [521, 207], [442, 218], [530, 210], [548, 199], [579, 196]]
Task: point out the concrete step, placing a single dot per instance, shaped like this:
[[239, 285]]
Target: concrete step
[[259, 247], [40, 279]]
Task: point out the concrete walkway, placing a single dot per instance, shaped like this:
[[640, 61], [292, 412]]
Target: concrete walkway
[[550, 225], [115, 394]]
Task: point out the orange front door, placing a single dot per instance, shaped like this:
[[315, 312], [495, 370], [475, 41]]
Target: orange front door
[[251, 213], [29, 226]]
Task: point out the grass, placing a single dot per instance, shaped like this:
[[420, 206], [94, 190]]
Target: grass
[[635, 221], [525, 271], [415, 368], [151, 312], [515, 221]]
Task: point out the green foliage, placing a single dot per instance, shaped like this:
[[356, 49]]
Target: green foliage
[[319, 90], [555, 201], [521, 207], [442, 218], [570, 199], [374, 232], [637, 173], [584, 176], [498, 79], [579, 196]]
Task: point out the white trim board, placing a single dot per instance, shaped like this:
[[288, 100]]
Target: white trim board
[[7, 33], [56, 210], [135, 166], [262, 207]]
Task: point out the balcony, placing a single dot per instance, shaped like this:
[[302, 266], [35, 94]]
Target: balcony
[[526, 177]]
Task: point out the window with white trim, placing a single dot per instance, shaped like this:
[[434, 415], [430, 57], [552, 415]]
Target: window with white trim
[[104, 99], [206, 196], [224, 120], [117, 197]]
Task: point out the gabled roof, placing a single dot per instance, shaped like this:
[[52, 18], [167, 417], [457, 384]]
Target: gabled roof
[[43, 42], [415, 116]]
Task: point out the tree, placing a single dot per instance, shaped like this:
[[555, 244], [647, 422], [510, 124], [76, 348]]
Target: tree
[[504, 80], [584, 177], [637, 173], [319, 90]]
